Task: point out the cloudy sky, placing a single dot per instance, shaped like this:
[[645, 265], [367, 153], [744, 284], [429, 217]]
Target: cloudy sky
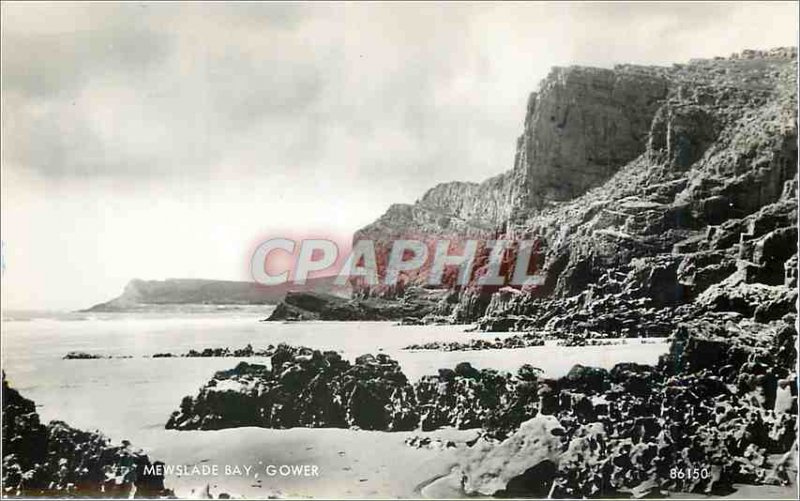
[[165, 140]]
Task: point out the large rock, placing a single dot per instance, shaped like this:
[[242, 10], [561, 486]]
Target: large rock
[[303, 387], [319, 306], [58, 461], [527, 459], [469, 398]]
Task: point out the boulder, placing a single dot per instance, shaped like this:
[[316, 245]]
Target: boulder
[[303, 387], [528, 458], [587, 380], [59, 461]]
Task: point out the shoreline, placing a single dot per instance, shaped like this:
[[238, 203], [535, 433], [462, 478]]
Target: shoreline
[[421, 470]]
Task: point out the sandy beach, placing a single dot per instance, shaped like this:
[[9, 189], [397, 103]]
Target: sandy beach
[[131, 398], [353, 464]]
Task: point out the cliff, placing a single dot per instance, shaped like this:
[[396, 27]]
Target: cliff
[[655, 182], [457, 208], [665, 200], [579, 128]]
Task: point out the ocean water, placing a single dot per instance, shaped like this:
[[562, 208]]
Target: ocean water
[[132, 398]]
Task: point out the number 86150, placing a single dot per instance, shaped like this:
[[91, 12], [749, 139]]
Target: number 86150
[[688, 473]]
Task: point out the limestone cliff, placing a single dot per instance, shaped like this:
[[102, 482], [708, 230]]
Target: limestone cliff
[[581, 126], [649, 184], [457, 208]]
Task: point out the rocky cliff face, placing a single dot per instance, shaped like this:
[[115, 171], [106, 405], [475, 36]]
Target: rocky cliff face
[[457, 208], [580, 127], [648, 183], [720, 162]]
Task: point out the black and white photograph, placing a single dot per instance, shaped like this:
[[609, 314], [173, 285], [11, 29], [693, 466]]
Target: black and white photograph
[[399, 250]]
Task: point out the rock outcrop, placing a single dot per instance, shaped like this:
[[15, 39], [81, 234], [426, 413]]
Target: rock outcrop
[[722, 401], [648, 183], [303, 387], [410, 305], [581, 126], [309, 388], [498, 470], [58, 461], [712, 413]]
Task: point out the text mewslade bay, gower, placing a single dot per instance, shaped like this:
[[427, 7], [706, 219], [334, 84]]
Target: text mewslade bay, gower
[[235, 470]]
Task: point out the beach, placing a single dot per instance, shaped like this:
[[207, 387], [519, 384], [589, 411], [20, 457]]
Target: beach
[[132, 398]]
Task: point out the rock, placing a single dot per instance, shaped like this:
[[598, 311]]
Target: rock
[[771, 252], [581, 464], [587, 380], [635, 379], [57, 460], [318, 306], [23, 435], [736, 295], [520, 341], [582, 125], [80, 355], [680, 136], [696, 240], [304, 387], [446, 487], [467, 398], [527, 459], [783, 303], [784, 471], [790, 272]]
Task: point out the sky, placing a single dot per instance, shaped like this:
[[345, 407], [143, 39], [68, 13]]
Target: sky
[[156, 140]]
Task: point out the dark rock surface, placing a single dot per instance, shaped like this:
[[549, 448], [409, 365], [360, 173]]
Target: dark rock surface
[[722, 400], [414, 303], [218, 352], [516, 341], [466, 398], [81, 355], [658, 194], [246, 352], [309, 388], [58, 461], [303, 387]]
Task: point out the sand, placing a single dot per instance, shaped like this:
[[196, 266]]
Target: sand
[[132, 398], [351, 463]]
